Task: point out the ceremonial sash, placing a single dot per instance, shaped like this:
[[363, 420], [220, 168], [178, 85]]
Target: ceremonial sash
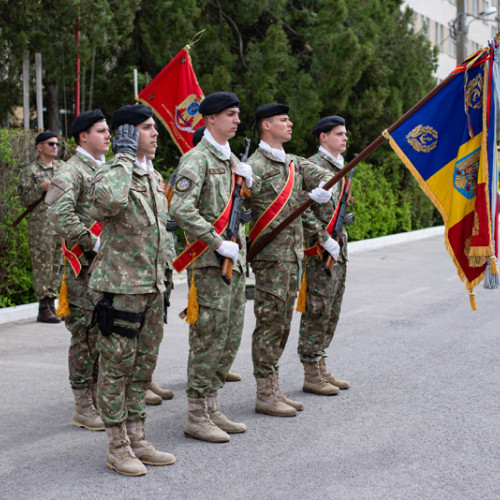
[[73, 255], [317, 250], [273, 210], [193, 251]]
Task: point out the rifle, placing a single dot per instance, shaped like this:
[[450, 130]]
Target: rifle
[[341, 220], [29, 209], [237, 216], [169, 188]]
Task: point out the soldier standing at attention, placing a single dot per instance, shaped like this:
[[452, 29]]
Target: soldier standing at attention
[[69, 202], [202, 195], [44, 243], [324, 293], [128, 282], [283, 177], [197, 137]]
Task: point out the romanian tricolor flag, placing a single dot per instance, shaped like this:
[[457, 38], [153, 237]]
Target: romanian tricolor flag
[[449, 146], [175, 97]]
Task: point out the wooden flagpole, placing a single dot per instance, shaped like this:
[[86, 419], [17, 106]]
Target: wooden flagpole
[[267, 238]]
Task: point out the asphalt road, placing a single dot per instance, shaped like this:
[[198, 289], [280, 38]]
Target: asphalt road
[[420, 421]]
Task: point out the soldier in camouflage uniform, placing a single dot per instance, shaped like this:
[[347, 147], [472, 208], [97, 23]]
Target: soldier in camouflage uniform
[[201, 193], [129, 282], [276, 266], [44, 243], [69, 203], [324, 293]]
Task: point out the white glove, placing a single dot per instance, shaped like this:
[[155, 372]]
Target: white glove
[[320, 195], [229, 249], [245, 170], [97, 245], [332, 247]]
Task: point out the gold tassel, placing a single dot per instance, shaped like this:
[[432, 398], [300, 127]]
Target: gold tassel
[[63, 302], [193, 308], [301, 300], [493, 265], [472, 300]]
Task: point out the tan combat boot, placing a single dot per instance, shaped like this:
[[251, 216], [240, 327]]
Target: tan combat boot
[[198, 424], [268, 400], [314, 381], [120, 456], [290, 402], [143, 449], [233, 377], [152, 399], [45, 313], [341, 384], [85, 414], [163, 393], [219, 419]]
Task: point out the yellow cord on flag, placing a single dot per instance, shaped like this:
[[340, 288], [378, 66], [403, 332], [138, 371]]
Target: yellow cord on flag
[[493, 265], [472, 300], [193, 308], [196, 38], [63, 302], [301, 300]]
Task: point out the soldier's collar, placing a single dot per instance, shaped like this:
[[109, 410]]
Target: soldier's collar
[[277, 154], [338, 162], [85, 153], [223, 149]]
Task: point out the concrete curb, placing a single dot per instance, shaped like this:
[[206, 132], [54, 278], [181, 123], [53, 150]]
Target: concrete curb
[[29, 311]]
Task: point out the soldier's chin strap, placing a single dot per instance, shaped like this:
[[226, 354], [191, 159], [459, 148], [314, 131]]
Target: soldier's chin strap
[[105, 315]]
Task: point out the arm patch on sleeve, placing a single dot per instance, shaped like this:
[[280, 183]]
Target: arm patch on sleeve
[[57, 188], [183, 184]]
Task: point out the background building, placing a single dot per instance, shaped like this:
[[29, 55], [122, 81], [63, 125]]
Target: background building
[[436, 19]]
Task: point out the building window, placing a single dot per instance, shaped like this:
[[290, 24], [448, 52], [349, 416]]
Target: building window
[[475, 9], [425, 26], [438, 35], [452, 47]]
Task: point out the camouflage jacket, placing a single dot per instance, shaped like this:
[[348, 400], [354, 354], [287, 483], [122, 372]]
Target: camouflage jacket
[[319, 215], [201, 192], [69, 202], [288, 245], [30, 190], [131, 204]]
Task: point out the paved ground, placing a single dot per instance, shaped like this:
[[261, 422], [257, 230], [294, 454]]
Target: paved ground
[[421, 420]]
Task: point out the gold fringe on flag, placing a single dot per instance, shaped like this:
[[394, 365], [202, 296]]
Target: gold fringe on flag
[[301, 300], [63, 302], [193, 308]]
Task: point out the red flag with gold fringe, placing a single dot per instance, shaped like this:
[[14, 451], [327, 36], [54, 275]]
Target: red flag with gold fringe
[[175, 97]]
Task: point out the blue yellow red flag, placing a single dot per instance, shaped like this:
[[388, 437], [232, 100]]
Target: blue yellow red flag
[[449, 145]]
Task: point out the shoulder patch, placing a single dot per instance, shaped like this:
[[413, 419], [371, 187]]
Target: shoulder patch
[[183, 184]]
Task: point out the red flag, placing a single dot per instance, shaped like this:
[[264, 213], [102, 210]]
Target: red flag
[[175, 97]]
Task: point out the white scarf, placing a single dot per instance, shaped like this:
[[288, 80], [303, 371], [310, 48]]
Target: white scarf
[[84, 152], [146, 165], [224, 149], [277, 153], [338, 162]]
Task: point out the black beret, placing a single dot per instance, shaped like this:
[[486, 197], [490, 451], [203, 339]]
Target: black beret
[[198, 135], [133, 114], [217, 102], [43, 136], [85, 120], [271, 109], [326, 124]]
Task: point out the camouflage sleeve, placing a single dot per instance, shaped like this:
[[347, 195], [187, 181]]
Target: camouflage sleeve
[[110, 186], [186, 204], [312, 175], [61, 199], [29, 187]]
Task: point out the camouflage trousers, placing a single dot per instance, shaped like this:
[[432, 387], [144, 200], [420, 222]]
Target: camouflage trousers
[[46, 260], [83, 355], [126, 365], [275, 292], [215, 338], [323, 303]]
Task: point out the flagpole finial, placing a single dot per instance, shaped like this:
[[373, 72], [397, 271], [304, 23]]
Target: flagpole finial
[[196, 38]]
